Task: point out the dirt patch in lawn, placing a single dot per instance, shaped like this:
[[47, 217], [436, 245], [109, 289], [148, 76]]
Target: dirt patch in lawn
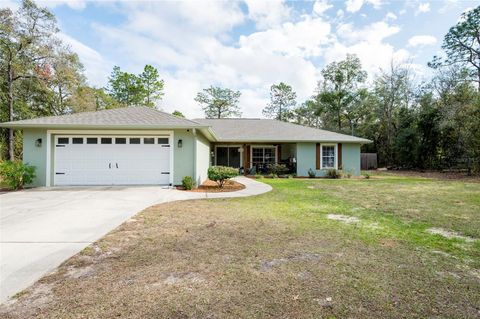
[[450, 234], [212, 187], [344, 218]]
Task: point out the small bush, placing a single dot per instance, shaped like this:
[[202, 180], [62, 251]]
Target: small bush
[[277, 169], [272, 175], [187, 183], [348, 174], [333, 174], [311, 173], [367, 176], [289, 176], [220, 174], [16, 174], [258, 176]]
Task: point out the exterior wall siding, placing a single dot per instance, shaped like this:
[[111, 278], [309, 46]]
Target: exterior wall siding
[[183, 157], [34, 155], [202, 159], [351, 158], [306, 159]]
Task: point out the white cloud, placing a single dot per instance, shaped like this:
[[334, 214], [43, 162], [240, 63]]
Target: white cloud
[[368, 44], [372, 33], [96, 67], [73, 4], [390, 16], [303, 38], [320, 6], [423, 8], [354, 5], [421, 40], [268, 14]]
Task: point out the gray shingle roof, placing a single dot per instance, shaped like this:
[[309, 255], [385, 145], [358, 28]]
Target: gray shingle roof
[[263, 130], [137, 116]]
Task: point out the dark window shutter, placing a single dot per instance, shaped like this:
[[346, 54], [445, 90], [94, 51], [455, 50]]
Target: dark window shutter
[[339, 151], [317, 157]]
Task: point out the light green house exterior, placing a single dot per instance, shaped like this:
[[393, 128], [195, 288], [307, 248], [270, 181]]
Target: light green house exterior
[[193, 145]]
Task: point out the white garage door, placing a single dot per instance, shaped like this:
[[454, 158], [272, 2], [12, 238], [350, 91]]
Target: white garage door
[[112, 160]]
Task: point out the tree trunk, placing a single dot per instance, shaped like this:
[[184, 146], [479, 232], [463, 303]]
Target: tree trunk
[[11, 154]]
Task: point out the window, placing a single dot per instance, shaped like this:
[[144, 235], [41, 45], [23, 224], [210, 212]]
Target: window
[[62, 140], [92, 140], [263, 155], [106, 140], [328, 156], [162, 140], [77, 140], [228, 156], [134, 140], [148, 140], [120, 140]]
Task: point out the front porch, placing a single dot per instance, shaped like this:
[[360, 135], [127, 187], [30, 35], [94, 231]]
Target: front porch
[[255, 158]]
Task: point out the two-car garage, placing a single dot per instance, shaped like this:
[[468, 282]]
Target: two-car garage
[[112, 160]]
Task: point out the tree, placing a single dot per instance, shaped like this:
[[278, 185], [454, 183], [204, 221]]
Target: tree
[[125, 87], [27, 44], [130, 89], [87, 99], [178, 113], [305, 114], [66, 77], [219, 102], [392, 91], [339, 94], [462, 45], [152, 85], [282, 98]]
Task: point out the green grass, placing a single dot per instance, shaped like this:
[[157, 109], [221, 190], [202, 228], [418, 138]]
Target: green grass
[[397, 207], [278, 255]]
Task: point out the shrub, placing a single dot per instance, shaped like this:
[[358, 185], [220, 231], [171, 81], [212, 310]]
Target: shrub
[[272, 175], [311, 173], [289, 176], [220, 174], [277, 169], [16, 174], [187, 183], [333, 173], [367, 176], [258, 176], [348, 174]]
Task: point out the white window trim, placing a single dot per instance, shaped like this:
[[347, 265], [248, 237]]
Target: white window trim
[[228, 154], [335, 152], [141, 133], [263, 146]]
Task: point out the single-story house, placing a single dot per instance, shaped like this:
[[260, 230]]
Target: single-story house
[[141, 146]]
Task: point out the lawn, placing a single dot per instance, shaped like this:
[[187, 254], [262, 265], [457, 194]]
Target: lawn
[[385, 247]]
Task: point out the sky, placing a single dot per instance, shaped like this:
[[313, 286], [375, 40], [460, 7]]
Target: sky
[[249, 45]]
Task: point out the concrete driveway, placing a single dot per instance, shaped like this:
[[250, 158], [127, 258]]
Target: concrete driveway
[[40, 228]]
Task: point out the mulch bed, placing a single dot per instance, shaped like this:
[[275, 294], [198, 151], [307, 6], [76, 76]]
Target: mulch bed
[[212, 187]]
